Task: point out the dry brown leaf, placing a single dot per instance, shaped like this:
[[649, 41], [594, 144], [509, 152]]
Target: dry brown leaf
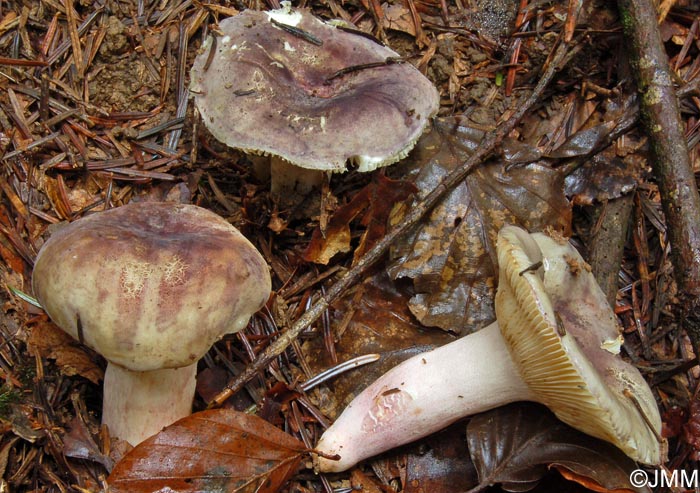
[[79, 444], [8, 253], [48, 341], [373, 205], [361, 482], [216, 450], [398, 18]]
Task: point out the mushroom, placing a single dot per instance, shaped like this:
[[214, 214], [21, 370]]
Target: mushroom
[[310, 94], [150, 286], [555, 341]]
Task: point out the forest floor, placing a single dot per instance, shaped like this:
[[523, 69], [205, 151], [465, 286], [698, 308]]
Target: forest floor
[[95, 112]]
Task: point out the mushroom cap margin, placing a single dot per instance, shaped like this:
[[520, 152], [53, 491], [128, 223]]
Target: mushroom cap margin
[[562, 335]]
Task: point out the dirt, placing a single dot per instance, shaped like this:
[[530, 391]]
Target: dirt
[[124, 85]]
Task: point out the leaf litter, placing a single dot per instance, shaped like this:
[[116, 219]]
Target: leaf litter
[[451, 256], [103, 124], [516, 444]]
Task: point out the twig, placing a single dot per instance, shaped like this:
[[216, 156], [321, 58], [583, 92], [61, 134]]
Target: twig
[[413, 217], [669, 152], [17, 62], [74, 37]]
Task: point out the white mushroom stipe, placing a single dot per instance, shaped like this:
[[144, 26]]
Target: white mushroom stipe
[[417, 398], [549, 345], [157, 397]]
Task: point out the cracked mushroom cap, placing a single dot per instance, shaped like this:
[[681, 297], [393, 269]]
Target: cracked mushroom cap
[[569, 355], [302, 96], [150, 285]]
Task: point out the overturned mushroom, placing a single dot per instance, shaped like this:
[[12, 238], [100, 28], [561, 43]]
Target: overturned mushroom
[[555, 342], [150, 286], [287, 84]]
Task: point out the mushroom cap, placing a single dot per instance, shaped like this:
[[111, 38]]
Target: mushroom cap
[[266, 90], [568, 348], [150, 285]]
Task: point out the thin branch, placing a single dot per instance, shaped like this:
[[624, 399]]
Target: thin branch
[[673, 170]]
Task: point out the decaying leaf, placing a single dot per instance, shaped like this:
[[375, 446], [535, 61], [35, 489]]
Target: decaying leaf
[[21, 419], [442, 466], [605, 172], [596, 171], [47, 340], [451, 256], [398, 18], [583, 142], [515, 445], [79, 444], [8, 253], [372, 318], [219, 450], [605, 177], [372, 204]]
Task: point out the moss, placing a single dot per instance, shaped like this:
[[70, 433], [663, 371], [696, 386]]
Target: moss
[[626, 20], [8, 396]]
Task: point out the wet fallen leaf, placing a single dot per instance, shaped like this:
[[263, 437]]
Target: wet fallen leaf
[[372, 318], [372, 205], [583, 142], [515, 445], [607, 172], [211, 451], [47, 340], [604, 177], [451, 256], [440, 464]]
